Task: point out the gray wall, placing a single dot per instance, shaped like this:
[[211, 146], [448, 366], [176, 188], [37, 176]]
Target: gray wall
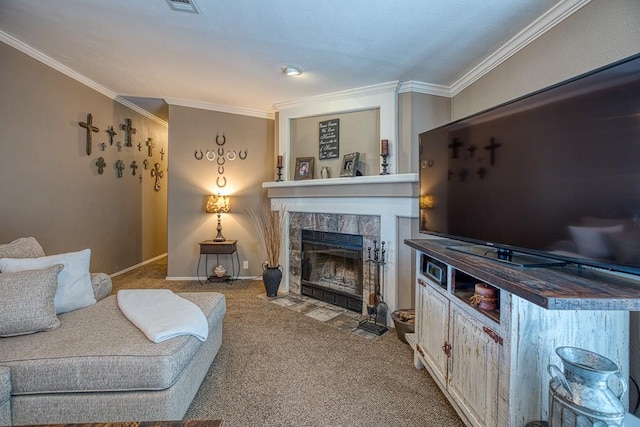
[[601, 32], [192, 180], [50, 188], [417, 113]]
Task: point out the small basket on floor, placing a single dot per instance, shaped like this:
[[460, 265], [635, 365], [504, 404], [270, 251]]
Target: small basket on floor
[[404, 321]]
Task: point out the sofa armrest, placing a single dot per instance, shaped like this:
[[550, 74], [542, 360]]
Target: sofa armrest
[[101, 284], [5, 396]]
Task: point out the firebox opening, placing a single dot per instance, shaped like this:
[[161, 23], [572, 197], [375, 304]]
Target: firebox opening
[[332, 268]]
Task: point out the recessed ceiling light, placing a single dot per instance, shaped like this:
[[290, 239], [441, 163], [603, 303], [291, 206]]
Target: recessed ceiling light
[[291, 70]]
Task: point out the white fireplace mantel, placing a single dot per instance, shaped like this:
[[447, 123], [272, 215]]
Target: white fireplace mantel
[[388, 196], [394, 185]]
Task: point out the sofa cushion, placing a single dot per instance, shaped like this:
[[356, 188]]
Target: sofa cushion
[[24, 247], [74, 281], [28, 312], [98, 349]]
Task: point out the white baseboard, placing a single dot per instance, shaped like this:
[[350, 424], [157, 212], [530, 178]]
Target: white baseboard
[[133, 267]]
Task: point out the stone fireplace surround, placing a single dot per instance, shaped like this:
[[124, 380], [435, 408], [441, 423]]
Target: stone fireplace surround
[[367, 226], [353, 203]]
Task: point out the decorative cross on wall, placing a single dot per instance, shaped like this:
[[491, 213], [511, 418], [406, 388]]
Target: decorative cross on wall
[[133, 167], [119, 168], [157, 174], [128, 130], [150, 146], [111, 133], [88, 125], [161, 153], [101, 165]]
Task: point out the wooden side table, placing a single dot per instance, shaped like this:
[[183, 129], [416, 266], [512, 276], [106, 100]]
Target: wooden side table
[[227, 247]]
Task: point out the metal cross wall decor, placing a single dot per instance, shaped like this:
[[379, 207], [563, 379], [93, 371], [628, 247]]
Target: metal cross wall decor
[[111, 133], [101, 165], [128, 130], [150, 146], [157, 174], [88, 125], [119, 168]]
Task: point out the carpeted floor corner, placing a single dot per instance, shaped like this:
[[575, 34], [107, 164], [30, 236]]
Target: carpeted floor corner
[[279, 367]]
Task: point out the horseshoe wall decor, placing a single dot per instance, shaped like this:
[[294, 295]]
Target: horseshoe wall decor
[[224, 182], [224, 139], [198, 156]]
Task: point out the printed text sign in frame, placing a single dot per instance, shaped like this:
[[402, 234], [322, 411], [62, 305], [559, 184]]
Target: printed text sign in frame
[[329, 139]]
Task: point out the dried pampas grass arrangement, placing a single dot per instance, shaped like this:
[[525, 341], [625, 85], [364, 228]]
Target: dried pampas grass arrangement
[[270, 226]]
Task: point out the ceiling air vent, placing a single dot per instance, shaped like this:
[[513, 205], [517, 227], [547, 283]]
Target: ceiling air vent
[[184, 6]]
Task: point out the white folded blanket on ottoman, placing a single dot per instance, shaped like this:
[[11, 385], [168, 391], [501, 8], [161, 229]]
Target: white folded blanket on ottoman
[[160, 314]]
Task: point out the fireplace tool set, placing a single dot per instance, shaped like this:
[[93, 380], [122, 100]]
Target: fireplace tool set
[[377, 309]]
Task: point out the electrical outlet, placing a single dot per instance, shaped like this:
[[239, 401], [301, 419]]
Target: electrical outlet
[[245, 265]]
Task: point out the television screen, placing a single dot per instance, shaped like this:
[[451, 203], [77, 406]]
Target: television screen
[[553, 174]]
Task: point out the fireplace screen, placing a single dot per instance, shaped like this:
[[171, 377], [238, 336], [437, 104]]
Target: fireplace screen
[[332, 268]]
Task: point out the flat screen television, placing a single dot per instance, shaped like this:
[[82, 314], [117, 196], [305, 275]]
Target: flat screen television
[[551, 177]]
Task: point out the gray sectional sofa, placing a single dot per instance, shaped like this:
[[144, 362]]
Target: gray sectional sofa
[[99, 367]]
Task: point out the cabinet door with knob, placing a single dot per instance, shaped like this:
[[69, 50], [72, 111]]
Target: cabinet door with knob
[[474, 367], [433, 329]]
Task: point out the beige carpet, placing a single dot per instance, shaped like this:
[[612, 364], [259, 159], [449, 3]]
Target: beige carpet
[[280, 367]]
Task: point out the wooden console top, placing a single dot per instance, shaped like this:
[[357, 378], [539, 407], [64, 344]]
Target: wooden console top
[[555, 288]]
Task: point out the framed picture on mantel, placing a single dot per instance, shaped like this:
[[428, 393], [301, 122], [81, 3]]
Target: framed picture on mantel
[[350, 164], [304, 168]]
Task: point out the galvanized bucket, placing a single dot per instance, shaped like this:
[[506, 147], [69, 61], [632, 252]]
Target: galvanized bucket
[[580, 395]]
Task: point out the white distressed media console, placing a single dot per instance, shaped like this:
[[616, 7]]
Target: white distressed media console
[[492, 365]]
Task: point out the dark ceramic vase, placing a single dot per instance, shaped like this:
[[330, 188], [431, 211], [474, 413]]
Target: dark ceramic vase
[[271, 277]]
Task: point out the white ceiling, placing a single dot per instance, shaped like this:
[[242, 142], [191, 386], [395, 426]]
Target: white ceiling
[[231, 53]]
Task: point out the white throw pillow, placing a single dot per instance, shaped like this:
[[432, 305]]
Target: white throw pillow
[[591, 240], [74, 281]]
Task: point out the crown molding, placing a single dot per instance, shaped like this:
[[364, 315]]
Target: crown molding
[[537, 28], [553, 17], [50, 62], [341, 95], [220, 108], [426, 88]]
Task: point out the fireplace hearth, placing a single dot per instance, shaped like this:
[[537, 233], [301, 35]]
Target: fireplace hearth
[[332, 268]]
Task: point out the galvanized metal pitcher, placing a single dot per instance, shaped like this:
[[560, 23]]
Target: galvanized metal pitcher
[[580, 395]]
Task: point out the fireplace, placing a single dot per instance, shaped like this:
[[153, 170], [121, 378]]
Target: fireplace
[[332, 268]]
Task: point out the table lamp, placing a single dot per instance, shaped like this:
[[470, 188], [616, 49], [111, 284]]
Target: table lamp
[[218, 204]]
